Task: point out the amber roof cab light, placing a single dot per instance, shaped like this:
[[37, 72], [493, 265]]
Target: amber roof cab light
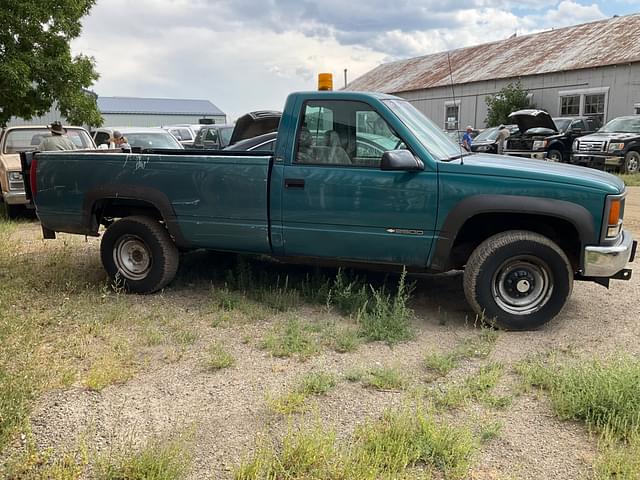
[[325, 81]]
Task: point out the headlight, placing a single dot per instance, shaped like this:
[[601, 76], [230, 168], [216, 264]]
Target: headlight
[[15, 176], [539, 144], [613, 146], [576, 145]]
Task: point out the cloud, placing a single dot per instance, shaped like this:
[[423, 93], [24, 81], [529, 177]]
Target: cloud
[[248, 54]]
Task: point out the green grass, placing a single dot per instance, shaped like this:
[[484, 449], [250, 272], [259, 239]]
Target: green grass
[[218, 358], [617, 459], [158, 459], [475, 387], [291, 337], [403, 443], [385, 379], [314, 383], [630, 180], [479, 346], [490, 431], [110, 369]]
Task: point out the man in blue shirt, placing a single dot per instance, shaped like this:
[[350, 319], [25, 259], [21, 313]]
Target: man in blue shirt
[[467, 140]]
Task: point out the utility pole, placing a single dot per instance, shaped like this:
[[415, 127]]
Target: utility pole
[[345, 78]]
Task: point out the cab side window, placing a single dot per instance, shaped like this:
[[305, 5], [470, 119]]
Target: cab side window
[[343, 134], [102, 138]]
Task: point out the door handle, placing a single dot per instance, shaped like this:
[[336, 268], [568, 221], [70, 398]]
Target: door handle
[[294, 182]]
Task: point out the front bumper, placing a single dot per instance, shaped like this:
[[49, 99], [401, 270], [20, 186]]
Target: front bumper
[[15, 198], [526, 154], [597, 160], [607, 261]]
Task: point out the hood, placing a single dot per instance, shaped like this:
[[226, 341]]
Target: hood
[[531, 118], [255, 123], [11, 161], [538, 170], [610, 136]]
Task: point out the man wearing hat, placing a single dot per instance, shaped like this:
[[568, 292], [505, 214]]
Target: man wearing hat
[[119, 141], [58, 139]]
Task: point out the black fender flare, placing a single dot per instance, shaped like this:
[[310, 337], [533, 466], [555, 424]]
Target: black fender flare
[[575, 214], [155, 197]]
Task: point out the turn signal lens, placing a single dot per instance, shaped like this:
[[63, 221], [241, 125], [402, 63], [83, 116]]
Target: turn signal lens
[[614, 212]]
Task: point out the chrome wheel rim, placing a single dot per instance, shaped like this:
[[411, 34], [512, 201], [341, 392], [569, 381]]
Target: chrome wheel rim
[[132, 257], [522, 285], [633, 161], [554, 158]]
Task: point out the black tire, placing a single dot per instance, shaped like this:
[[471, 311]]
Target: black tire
[[631, 162], [555, 156], [139, 255], [518, 280]]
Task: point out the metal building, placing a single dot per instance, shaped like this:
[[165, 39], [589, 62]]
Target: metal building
[[156, 112], [588, 69]]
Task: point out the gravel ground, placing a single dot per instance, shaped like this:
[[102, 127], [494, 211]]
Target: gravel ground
[[227, 410]]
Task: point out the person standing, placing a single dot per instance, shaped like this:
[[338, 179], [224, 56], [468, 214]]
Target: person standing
[[467, 139], [119, 141], [58, 139], [501, 139]]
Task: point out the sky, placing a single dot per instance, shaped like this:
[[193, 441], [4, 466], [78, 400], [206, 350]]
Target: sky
[[245, 55]]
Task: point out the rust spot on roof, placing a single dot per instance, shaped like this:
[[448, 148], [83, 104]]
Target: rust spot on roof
[[607, 42]]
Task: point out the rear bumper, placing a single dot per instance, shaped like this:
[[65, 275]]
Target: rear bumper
[[526, 154], [607, 261], [14, 198]]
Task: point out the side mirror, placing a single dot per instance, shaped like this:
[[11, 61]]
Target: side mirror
[[402, 160]]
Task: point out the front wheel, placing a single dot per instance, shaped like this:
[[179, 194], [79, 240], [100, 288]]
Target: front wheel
[[554, 156], [138, 253], [631, 162], [518, 280]]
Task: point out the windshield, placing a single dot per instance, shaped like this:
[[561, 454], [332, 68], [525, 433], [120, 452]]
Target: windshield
[[487, 135], [23, 139], [623, 125], [152, 140], [225, 135], [562, 123], [425, 131]]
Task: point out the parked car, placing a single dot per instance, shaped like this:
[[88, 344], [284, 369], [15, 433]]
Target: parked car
[[265, 142], [213, 137], [185, 133], [26, 138], [543, 137], [487, 140], [141, 137], [522, 230], [616, 146]]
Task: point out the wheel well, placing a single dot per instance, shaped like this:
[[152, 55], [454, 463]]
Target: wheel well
[[480, 227], [105, 210]]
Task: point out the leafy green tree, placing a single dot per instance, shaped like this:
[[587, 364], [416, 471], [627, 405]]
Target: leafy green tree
[[37, 69], [511, 98]]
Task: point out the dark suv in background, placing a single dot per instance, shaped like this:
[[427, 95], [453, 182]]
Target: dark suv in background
[[614, 146], [543, 137]]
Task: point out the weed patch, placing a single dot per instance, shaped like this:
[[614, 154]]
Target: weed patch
[[474, 347], [218, 357], [385, 379], [475, 387], [291, 337], [400, 442], [314, 383]]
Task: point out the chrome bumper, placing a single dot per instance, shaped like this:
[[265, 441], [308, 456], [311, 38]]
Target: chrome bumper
[[14, 198], [606, 261], [527, 154], [610, 160]]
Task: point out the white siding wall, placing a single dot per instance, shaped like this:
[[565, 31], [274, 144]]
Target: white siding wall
[[142, 120], [623, 82]]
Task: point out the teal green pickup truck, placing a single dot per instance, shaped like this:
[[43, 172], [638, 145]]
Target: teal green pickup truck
[[354, 179]]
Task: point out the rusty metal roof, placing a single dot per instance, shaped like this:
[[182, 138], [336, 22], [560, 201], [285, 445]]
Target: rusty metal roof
[[607, 42]]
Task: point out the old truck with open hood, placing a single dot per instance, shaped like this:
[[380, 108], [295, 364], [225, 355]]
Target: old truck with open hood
[[522, 230]]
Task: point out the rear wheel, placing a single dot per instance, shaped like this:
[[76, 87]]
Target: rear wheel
[[518, 280], [138, 253], [631, 162], [554, 156]]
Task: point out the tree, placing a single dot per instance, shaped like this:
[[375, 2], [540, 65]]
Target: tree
[[511, 98], [36, 66]]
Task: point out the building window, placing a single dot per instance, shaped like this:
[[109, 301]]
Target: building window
[[594, 106], [590, 102], [451, 116], [570, 105]]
